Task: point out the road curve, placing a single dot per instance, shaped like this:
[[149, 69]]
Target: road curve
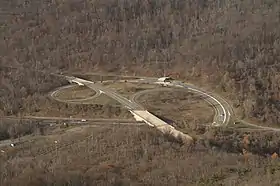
[[220, 105], [136, 96], [73, 101], [138, 111], [222, 114], [223, 110]]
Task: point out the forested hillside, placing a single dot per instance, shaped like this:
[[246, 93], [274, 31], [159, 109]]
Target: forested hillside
[[232, 43]]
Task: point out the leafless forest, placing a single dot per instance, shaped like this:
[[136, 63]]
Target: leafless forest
[[104, 156], [232, 43], [231, 46]]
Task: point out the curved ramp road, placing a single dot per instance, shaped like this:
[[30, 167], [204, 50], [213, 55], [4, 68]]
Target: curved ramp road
[[137, 110], [222, 113], [54, 95], [223, 110]]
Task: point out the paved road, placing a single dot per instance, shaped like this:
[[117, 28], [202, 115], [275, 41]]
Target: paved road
[[136, 96], [99, 88], [77, 101], [222, 113], [138, 111], [223, 110], [52, 121], [260, 127], [65, 119]]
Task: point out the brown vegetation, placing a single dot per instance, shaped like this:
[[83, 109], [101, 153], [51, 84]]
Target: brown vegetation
[[11, 130], [127, 156], [235, 43], [231, 44], [186, 111]]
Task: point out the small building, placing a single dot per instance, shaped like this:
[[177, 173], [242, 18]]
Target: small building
[[165, 79]]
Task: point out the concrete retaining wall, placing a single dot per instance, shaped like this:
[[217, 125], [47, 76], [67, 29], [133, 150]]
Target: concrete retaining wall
[[152, 120]]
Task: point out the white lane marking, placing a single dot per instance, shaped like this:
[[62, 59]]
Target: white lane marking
[[213, 99], [179, 86]]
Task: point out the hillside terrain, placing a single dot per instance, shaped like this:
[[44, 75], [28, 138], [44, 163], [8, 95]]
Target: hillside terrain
[[104, 156], [232, 43], [228, 47]]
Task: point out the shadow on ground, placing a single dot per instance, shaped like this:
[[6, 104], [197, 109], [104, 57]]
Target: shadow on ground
[[169, 121]]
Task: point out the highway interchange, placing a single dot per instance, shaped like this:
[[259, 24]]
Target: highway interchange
[[222, 115], [223, 110]]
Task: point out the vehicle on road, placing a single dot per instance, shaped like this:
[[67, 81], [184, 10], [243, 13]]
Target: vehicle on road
[[215, 124], [83, 120], [165, 79]]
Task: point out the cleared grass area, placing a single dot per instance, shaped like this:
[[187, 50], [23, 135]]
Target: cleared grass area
[[103, 99], [127, 89], [98, 107], [184, 110], [75, 92], [82, 95]]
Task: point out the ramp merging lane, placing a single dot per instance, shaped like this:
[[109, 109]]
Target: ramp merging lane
[[222, 113], [137, 110], [98, 87]]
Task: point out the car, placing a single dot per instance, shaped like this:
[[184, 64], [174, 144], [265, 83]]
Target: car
[[215, 124], [83, 120]]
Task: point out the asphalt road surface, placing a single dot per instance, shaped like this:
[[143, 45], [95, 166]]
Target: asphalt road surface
[[79, 101], [222, 114], [56, 121], [138, 111], [223, 110], [99, 88]]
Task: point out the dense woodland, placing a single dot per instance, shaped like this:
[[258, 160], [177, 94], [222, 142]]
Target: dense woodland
[[234, 43], [104, 156], [231, 45]]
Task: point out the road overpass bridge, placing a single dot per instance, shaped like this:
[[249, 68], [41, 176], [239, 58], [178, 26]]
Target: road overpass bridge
[[139, 113], [152, 120]]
